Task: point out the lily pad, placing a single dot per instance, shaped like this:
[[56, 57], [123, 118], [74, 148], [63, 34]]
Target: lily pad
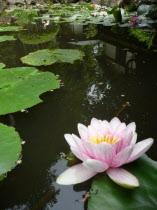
[[106, 195], [10, 149], [22, 86], [10, 28], [2, 65], [47, 57], [7, 38], [28, 37]]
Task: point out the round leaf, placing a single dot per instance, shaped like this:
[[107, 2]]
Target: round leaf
[[10, 149], [47, 57], [22, 86]]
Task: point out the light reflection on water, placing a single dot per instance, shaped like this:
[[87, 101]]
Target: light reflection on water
[[98, 86]]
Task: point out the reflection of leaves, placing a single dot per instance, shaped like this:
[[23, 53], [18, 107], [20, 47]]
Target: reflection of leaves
[[10, 149], [143, 36], [22, 86], [7, 38], [47, 57], [91, 31], [38, 38], [107, 195]]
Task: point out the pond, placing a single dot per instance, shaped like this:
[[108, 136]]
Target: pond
[[114, 78]]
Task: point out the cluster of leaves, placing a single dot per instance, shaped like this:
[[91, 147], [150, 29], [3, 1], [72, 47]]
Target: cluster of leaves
[[83, 13]]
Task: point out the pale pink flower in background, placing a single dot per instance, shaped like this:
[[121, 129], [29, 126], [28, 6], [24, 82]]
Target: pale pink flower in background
[[104, 147]]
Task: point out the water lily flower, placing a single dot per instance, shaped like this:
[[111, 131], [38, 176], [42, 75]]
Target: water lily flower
[[104, 147]]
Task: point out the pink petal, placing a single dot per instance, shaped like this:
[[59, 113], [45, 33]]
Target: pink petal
[[74, 175], [123, 177], [95, 165], [76, 146], [78, 149], [114, 123], [83, 131], [120, 129], [103, 152], [131, 127], [95, 122], [70, 140], [122, 157], [134, 139], [140, 148]]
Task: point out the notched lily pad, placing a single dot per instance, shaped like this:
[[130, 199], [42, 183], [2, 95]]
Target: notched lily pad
[[10, 149], [7, 38], [107, 195], [22, 86], [49, 56]]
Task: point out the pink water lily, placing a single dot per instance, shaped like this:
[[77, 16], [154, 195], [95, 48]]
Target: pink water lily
[[104, 147]]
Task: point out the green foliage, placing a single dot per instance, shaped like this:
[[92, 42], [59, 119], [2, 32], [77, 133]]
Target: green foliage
[[106, 195], [47, 56], [10, 28], [143, 36], [23, 16], [20, 88], [7, 38], [83, 13], [10, 149]]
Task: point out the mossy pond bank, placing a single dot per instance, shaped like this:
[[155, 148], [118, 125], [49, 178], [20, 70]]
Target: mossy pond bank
[[115, 74]]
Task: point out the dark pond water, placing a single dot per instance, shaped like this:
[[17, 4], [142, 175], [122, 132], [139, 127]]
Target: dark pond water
[[110, 76]]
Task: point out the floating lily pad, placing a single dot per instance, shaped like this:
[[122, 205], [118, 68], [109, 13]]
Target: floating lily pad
[[2, 65], [28, 37], [47, 57], [10, 28], [10, 149], [7, 38], [22, 86], [106, 195]]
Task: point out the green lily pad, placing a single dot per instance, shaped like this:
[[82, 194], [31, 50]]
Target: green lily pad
[[106, 195], [2, 65], [47, 57], [7, 38], [22, 86], [10, 149], [28, 37], [10, 28]]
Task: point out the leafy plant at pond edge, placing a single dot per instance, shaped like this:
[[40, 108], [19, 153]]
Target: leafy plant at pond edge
[[10, 149], [22, 86], [105, 194], [143, 36], [49, 56]]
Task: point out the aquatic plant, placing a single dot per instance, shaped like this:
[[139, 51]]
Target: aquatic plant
[[50, 56], [104, 146]]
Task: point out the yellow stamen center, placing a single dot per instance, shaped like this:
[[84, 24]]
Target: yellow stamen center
[[110, 139]]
